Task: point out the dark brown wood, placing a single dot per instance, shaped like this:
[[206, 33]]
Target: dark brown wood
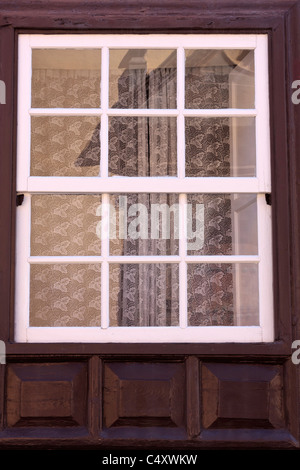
[[95, 398], [188, 396], [242, 396], [7, 122], [135, 16], [193, 409], [148, 398], [46, 395]]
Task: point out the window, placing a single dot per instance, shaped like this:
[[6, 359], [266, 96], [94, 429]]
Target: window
[[144, 163]]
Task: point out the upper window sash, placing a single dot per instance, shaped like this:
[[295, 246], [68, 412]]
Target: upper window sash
[[260, 183]]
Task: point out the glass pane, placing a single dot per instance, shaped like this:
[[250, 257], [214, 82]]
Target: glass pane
[[142, 146], [223, 294], [65, 146], [144, 224], [65, 225], [144, 295], [221, 146], [66, 78], [65, 295], [219, 79], [142, 78], [222, 224]]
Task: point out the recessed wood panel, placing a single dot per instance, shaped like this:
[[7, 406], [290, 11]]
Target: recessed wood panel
[[46, 394], [144, 395], [242, 396]]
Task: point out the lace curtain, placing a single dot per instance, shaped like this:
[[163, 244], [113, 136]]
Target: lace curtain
[[147, 294], [144, 294]]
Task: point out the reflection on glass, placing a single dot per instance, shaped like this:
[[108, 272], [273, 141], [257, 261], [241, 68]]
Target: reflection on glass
[[142, 146], [220, 146], [65, 295], [65, 146], [142, 78], [144, 224], [144, 295], [65, 225], [222, 224], [219, 79], [223, 294], [66, 78]]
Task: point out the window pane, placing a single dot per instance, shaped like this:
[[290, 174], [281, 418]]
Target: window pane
[[142, 146], [65, 146], [144, 295], [221, 146], [219, 79], [222, 224], [66, 78], [144, 224], [141, 78], [64, 225], [65, 295], [223, 294]]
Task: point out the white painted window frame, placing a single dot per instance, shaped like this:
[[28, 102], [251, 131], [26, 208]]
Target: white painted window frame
[[258, 185]]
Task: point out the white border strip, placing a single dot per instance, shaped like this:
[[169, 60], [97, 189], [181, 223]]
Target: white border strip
[[119, 184], [198, 334]]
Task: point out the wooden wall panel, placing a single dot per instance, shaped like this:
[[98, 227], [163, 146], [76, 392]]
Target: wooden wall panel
[[144, 395], [46, 394], [242, 396]]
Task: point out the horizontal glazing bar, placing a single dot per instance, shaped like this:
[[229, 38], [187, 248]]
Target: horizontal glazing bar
[[142, 259], [120, 184], [65, 111], [142, 112], [64, 259]]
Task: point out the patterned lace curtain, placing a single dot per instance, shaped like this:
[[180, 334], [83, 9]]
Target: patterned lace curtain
[[145, 294], [210, 286]]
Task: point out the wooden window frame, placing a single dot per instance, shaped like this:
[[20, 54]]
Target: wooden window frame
[[259, 186], [189, 366], [280, 23]]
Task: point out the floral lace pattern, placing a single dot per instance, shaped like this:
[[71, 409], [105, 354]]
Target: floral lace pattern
[[140, 294], [65, 295]]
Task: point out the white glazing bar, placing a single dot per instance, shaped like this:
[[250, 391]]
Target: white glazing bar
[[104, 265], [104, 107], [65, 111], [180, 118], [143, 259], [266, 311], [263, 161], [65, 259], [233, 112], [22, 285], [223, 259], [121, 184], [157, 41], [142, 112], [24, 103], [206, 334], [182, 264]]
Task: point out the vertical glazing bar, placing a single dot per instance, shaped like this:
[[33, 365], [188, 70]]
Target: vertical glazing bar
[[262, 118], [104, 117], [182, 197], [24, 104], [105, 265], [182, 263], [266, 312], [22, 291], [180, 118]]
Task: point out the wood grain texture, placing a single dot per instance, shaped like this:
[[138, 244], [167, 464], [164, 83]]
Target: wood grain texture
[[46, 405], [46, 395], [242, 396], [144, 395]]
